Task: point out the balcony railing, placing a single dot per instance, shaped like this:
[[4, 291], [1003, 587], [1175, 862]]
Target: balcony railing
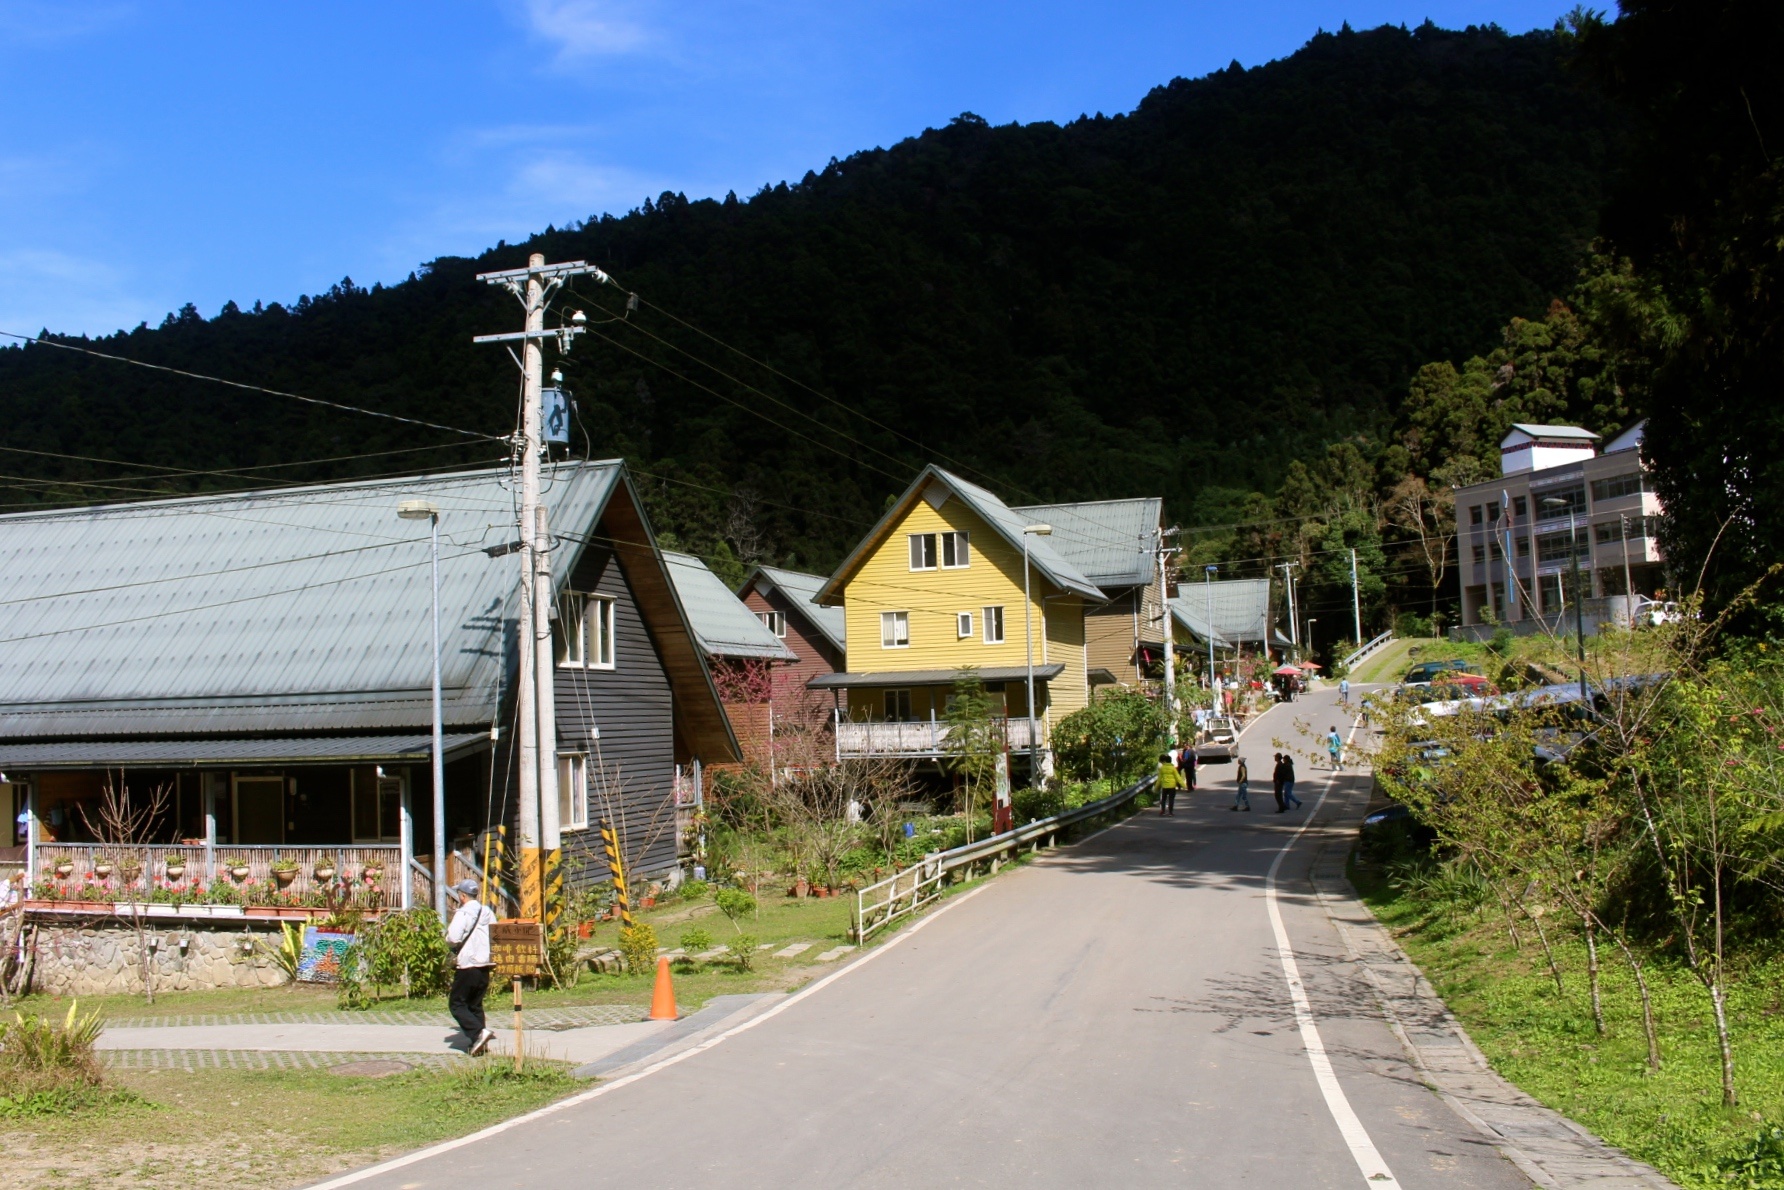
[[921, 739], [367, 876]]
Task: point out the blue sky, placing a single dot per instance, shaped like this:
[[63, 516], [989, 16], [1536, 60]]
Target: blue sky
[[160, 153]]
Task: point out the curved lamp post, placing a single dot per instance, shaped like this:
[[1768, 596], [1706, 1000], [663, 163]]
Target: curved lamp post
[[422, 510]]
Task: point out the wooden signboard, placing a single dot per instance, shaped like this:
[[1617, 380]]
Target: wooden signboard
[[517, 948]]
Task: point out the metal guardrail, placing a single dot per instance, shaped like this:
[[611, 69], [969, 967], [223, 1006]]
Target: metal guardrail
[[905, 892], [1367, 649]]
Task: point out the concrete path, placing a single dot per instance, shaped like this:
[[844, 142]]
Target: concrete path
[[1167, 1003], [579, 1045]]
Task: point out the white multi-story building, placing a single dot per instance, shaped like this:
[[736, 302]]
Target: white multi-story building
[[1558, 495]]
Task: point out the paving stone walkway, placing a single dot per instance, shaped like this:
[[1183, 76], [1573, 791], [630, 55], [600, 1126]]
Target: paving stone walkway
[[537, 1018], [202, 1059]]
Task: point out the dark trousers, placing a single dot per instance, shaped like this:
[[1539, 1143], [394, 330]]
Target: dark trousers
[[1277, 788], [1167, 801], [469, 985]]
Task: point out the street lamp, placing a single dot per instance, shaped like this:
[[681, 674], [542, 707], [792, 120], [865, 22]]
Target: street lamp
[[1579, 606], [422, 510], [1034, 743], [1208, 585]]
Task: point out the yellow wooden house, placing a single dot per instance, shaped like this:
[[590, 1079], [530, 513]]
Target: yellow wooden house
[[939, 585]]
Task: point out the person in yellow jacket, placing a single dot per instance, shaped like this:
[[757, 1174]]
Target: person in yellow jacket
[[1169, 782]]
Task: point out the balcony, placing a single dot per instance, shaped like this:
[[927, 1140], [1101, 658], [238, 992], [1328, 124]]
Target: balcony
[[173, 876], [919, 740]]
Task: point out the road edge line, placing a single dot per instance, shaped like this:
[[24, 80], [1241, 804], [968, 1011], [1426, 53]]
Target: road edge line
[[1370, 1162], [577, 1100]]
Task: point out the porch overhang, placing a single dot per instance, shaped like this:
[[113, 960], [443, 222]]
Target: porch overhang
[[933, 677], [177, 753]]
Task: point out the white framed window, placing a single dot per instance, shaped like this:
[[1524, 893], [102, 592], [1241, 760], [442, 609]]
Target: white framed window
[[898, 706], [585, 630], [994, 625], [573, 791], [775, 622], [895, 630], [923, 551], [963, 624], [956, 551]]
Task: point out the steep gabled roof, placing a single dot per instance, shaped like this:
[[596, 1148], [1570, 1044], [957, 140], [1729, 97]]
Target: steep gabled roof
[[721, 622], [1004, 521], [1195, 619], [1110, 541], [802, 591], [1567, 433], [303, 609]]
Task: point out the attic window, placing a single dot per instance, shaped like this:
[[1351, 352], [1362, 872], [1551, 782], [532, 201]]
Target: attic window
[[584, 631], [775, 622]]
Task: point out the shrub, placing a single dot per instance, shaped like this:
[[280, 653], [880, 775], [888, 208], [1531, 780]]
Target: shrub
[[561, 946], [49, 1069], [693, 890], [1030, 804], [638, 943], [696, 940], [409, 949], [734, 903], [743, 951], [1117, 735]]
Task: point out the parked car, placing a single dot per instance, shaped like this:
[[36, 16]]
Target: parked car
[[1655, 612], [1427, 671]]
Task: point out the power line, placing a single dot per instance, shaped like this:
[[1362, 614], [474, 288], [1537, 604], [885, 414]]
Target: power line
[[46, 342], [165, 469]]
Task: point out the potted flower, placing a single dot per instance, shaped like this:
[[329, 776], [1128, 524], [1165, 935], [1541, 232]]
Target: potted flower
[[284, 871], [325, 869], [373, 872], [237, 867], [130, 867], [64, 868], [102, 867], [175, 867]]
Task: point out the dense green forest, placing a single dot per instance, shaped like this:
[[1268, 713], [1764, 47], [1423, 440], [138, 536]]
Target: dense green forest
[[1182, 300]]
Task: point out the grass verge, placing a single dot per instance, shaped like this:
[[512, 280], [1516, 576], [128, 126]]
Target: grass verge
[[1544, 1040]]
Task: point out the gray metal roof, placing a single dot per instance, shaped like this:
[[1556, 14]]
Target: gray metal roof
[[1570, 432], [802, 589], [189, 753], [1195, 620], [296, 610], [994, 512], [934, 677], [1241, 607], [722, 624], [1110, 541]]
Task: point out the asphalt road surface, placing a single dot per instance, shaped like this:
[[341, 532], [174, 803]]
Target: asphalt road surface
[[1116, 1014]]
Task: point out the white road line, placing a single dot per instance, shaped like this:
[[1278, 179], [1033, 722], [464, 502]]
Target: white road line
[[1369, 1160], [606, 1088]]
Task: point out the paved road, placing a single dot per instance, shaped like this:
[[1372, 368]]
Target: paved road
[[1116, 1014]]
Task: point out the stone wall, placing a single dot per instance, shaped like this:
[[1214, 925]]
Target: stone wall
[[94, 958]]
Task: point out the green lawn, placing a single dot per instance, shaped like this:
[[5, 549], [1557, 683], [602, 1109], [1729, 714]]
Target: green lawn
[[1388, 664], [1544, 1041]]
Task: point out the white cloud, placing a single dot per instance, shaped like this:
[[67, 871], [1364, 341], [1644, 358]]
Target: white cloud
[[586, 28]]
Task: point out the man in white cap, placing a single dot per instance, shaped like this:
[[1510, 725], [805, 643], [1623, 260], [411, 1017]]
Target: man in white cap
[[469, 937]]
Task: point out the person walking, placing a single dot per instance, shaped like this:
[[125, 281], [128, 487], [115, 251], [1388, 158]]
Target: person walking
[[1335, 749], [1276, 778], [1186, 766], [1289, 800], [468, 935], [1343, 692], [1242, 800], [1169, 781]]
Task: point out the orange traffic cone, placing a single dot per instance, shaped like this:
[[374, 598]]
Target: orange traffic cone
[[662, 999]]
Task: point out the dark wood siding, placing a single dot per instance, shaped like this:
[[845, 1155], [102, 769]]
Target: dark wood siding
[[624, 718]]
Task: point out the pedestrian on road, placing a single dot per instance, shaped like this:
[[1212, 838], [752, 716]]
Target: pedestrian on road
[[1243, 800], [1276, 778], [468, 935], [1169, 781], [1335, 749], [1289, 800], [1186, 766], [1343, 692]]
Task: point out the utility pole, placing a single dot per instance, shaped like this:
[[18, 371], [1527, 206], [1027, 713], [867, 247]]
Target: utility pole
[[539, 827], [1163, 554], [1356, 600], [1288, 585], [1628, 583], [1213, 682]]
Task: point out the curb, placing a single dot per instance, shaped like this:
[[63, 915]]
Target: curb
[[720, 1012], [1551, 1150]]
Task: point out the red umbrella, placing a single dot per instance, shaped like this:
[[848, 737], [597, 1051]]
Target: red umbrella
[[1311, 665], [1287, 671]]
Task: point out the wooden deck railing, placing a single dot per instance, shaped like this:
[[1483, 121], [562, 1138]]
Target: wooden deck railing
[[369, 874], [928, 738]]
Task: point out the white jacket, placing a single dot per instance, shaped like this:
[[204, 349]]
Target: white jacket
[[470, 925]]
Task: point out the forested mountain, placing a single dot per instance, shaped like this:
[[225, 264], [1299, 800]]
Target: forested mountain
[[1180, 300]]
